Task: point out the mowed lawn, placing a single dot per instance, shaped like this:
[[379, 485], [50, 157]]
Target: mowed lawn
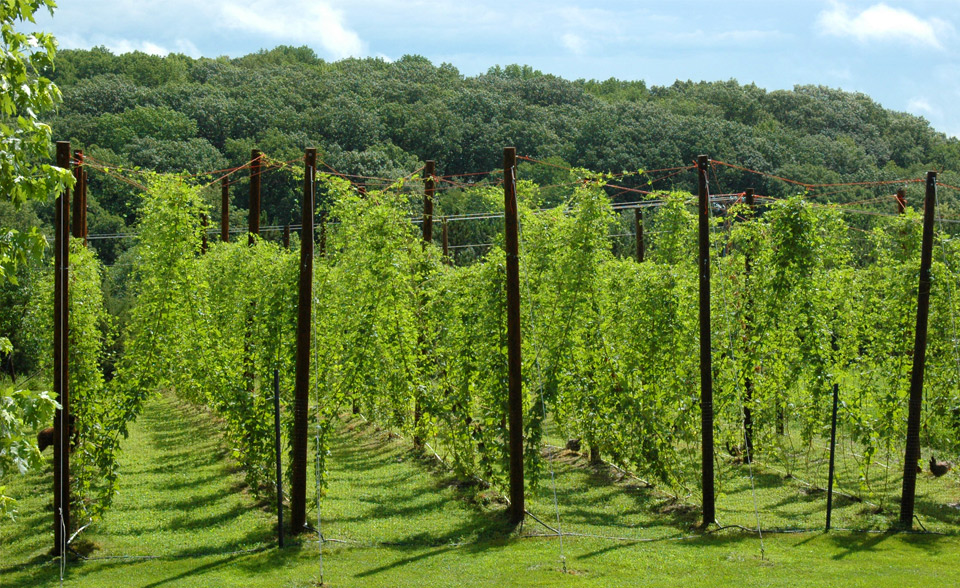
[[395, 518]]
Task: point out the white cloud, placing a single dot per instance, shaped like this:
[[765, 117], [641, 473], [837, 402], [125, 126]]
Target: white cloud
[[919, 104], [119, 46], [187, 47], [574, 43], [296, 22], [883, 23]]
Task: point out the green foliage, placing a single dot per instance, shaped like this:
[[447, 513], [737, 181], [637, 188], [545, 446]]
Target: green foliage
[[22, 413], [213, 327], [610, 344], [24, 139], [169, 239], [101, 410], [372, 276]]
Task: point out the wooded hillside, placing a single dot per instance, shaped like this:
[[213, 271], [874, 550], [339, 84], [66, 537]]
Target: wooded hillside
[[375, 118]]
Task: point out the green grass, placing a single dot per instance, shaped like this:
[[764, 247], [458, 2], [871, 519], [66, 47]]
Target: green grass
[[794, 500], [405, 522]]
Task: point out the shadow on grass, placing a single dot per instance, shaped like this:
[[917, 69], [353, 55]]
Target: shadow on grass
[[587, 495], [851, 544], [191, 572], [380, 475], [937, 511], [405, 561]]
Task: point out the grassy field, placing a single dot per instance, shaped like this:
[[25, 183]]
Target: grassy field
[[183, 518]]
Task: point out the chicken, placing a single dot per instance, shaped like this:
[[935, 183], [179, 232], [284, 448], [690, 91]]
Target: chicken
[[939, 468]]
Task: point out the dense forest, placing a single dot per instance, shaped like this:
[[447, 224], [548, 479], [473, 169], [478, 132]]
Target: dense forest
[[377, 118]]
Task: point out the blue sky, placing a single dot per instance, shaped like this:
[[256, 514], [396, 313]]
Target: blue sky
[[903, 53]]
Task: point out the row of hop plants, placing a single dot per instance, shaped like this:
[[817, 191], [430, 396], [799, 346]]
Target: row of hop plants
[[98, 408], [210, 328], [609, 344]]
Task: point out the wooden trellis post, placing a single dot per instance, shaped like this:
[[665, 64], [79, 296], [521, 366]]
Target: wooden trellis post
[[748, 378], [429, 187], [298, 476], [61, 362], [515, 382], [76, 218], [912, 453], [706, 362]]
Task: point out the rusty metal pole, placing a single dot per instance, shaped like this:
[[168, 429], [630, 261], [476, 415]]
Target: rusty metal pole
[[76, 218], [254, 220], [286, 236], [61, 362], [515, 382], [638, 232], [429, 188], [224, 210], [912, 453], [901, 201], [706, 363], [301, 406], [748, 318]]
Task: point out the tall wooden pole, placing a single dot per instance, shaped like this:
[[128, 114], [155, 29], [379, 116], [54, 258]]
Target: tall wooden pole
[[298, 490], [515, 382], [224, 210], [638, 233], [286, 236], [748, 317], [254, 220], [912, 453], [61, 362], [76, 218], [706, 363], [429, 187]]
